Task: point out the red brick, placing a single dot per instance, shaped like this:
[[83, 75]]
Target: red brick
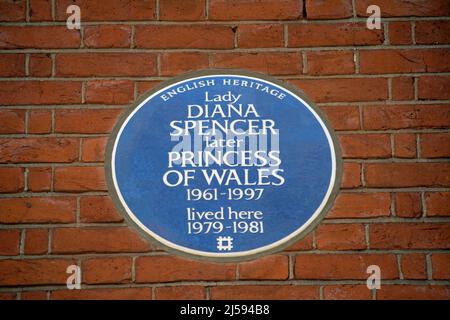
[[27, 150], [8, 295], [438, 204], [33, 295], [107, 270], [330, 62], [337, 34], [180, 293], [413, 266], [432, 32], [400, 32], [351, 176], [404, 8], [365, 145], [169, 269], [36, 241], [118, 10], [347, 292], [38, 37], [330, 9], [110, 91], [305, 243], [86, 120], [39, 121], [414, 292], [274, 267], [340, 237], [93, 149], [80, 179], [41, 10], [343, 90], [406, 116], [40, 92], [435, 145], [255, 9], [405, 145], [103, 294], [434, 87], [40, 65], [9, 246], [403, 175], [184, 37], [407, 205], [98, 209], [187, 10], [410, 236], [144, 86], [39, 179], [260, 36], [398, 61], [37, 210], [106, 239], [265, 292], [107, 36], [344, 266], [180, 62], [105, 64], [360, 205], [277, 63], [403, 88], [441, 266], [11, 180], [13, 121], [12, 65], [12, 10], [33, 272], [343, 117]]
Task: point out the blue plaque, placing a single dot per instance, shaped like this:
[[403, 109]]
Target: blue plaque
[[223, 165]]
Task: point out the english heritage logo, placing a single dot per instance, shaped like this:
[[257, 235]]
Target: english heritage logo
[[223, 165]]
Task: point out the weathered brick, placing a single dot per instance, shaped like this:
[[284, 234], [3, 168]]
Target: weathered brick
[[184, 37], [438, 204], [118, 10], [338, 34], [410, 236], [360, 205], [109, 91], [186, 10], [274, 267], [79, 179], [107, 36], [98, 209], [40, 92], [167, 269], [86, 120], [37, 210], [11, 180], [25, 150], [340, 237], [277, 63], [105, 64], [98, 239], [398, 175], [344, 266], [38, 37], [265, 292], [107, 270], [260, 36], [255, 9], [384, 117]]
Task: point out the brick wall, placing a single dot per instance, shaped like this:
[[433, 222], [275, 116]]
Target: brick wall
[[386, 92]]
